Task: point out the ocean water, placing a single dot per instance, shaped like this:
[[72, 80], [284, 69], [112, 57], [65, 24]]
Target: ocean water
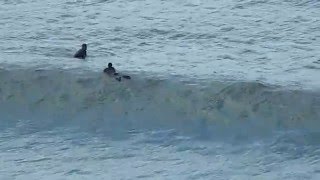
[[219, 89]]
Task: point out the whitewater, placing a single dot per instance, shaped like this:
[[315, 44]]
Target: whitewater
[[218, 89]]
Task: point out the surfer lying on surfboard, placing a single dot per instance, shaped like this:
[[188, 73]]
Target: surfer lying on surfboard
[[111, 71]]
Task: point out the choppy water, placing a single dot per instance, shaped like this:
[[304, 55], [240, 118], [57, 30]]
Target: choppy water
[[219, 89], [273, 41]]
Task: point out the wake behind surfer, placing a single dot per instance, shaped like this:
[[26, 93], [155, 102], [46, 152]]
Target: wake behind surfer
[[81, 53]]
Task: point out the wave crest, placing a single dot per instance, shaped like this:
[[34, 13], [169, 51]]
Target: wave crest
[[244, 106]]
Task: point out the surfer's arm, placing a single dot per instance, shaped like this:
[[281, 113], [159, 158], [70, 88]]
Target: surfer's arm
[[85, 54]]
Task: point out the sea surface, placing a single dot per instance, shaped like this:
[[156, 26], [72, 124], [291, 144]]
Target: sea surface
[[218, 90]]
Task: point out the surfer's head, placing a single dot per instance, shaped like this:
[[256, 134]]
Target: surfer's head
[[109, 65], [84, 46]]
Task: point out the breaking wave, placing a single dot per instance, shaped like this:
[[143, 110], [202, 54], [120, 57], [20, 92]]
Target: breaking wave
[[56, 96]]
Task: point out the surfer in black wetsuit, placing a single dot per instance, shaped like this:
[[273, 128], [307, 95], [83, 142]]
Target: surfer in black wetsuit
[[111, 71], [81, 53]]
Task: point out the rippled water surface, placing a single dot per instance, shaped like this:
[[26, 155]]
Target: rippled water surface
[[66, 154], [272, 41], [257, 117]]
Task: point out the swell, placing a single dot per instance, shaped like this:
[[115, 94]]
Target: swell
[[86, 97]]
